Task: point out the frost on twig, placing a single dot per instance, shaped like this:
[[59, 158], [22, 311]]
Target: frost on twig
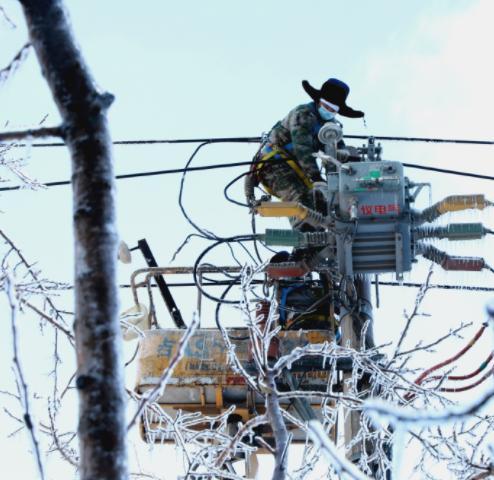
[[9, 70], [336, 461], [24, 394], [15, 167]]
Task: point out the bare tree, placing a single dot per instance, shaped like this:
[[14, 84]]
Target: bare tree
[[459, 442], [84, 130], [407, 412]]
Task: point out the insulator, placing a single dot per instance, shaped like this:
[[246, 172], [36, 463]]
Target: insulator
[[330, 133], [454, 231], [294, 238], [291, 209], [313, 218], [449, 262], [287, 269], [287, 238], [316, 238], [470, 264], [453, 203]]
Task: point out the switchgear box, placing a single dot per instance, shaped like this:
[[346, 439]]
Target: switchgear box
[[371, 190]]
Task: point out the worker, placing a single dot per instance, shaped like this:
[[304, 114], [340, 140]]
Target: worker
[[294, 141]]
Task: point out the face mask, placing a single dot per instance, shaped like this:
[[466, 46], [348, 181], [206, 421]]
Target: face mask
[[326, 114]]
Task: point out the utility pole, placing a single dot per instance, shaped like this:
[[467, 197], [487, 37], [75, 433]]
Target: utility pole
[[352, 323]]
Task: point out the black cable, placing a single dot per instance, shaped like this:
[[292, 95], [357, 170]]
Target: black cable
[[204, 253], [256, 242], [217, 312], [422, 139], [259, 139], [254, 233], [184, 243], [144, 174], [239, 164], [207, 234], [225, 190], [386, 284], [450, 172]]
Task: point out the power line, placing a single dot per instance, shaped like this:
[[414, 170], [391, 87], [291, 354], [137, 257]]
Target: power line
[[424, 139], [239, 164], [476, 288], [258, 139], [449, 172]]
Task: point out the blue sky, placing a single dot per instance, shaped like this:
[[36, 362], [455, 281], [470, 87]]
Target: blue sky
[[228, 68]]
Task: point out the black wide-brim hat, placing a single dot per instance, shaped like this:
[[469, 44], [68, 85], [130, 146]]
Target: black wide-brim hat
[[334, 91]]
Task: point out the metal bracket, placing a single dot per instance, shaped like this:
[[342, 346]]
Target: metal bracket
[[163, 287]]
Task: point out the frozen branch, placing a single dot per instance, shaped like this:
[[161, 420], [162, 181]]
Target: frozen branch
[[49, 319], [336, 461], [7, 19], [34, 275], [246, 429], [382, 412], [23, 388], [66, 455], [418, 301], [451, 333], [42, 132], [9, 70]]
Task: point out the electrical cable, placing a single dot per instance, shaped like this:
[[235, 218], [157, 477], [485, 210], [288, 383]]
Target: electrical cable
[[387, 284], [225, 190], [300, 317], [217, 313], [422, 377], [238, 164], [457, 378], [470, 386], [254, 233], [184, 243], [256, 241], [204, 253], [259, 139], [455, 357], [209, 235], [447, 171]]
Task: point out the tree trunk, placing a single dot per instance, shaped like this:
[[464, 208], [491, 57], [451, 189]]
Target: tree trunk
[[100, 369]]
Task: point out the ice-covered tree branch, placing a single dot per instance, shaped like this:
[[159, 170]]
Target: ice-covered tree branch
[[42, 132], [9, 70], [24, 394]]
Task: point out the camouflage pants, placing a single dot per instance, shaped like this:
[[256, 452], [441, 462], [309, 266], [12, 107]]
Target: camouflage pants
[[282, 181]]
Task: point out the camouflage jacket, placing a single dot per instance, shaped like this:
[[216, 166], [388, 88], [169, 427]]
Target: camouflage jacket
[[297, 134]]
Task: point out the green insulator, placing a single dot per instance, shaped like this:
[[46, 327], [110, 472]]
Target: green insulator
[[464, 231], [454, 231], [288, 238]]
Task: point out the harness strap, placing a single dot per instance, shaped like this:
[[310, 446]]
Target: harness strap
[[281, 153]]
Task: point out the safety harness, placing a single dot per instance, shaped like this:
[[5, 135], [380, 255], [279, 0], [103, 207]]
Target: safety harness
[[270, 152]]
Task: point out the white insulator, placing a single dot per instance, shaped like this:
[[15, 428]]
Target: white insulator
[[330, 133], [124, 254]]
